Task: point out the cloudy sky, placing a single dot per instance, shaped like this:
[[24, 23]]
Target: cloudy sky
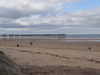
[[50, 16]]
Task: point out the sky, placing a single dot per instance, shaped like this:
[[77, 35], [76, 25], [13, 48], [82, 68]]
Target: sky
[[49, 16]]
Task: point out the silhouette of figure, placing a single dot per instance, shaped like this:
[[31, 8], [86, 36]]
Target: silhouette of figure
[[89, 48], [33, 39], [17, 45], [31, 43]]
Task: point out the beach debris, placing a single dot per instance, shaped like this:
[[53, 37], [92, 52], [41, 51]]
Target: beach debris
[[89, 48], [31, 43], [17, 45]]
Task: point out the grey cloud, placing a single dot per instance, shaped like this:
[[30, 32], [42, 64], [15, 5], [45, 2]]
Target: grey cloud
[[15, 13]]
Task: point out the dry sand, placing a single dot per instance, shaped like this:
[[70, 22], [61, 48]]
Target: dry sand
[[54, 54]]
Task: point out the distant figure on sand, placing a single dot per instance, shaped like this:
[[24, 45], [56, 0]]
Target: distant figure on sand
[[17, 45], [89, 48], [33, 39], [31, 43]]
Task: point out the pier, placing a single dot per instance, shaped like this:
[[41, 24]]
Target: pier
[[32, 36]]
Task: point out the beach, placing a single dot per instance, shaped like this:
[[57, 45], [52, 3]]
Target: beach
[[53, 54]]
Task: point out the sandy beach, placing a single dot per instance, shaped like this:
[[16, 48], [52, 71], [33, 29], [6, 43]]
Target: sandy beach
[[53, 53]]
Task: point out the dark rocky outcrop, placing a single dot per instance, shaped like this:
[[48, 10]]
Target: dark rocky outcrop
[[7, 67]]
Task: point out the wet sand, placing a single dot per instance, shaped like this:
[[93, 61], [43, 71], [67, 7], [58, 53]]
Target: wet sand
[[54, 54]]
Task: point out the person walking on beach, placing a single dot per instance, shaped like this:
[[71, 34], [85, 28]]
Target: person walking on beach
[[17, 45], [31, 43], [89, 48]]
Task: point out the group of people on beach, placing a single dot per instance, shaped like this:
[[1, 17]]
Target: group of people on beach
[[31, 43], [19, 45]]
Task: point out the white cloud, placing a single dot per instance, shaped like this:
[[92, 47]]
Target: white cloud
[[22, 22], [35, 5]]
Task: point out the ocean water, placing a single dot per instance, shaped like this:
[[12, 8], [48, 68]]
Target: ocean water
[[95, 36], [78, 38]]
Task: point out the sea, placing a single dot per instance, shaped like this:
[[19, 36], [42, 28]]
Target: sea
[[83, 37]]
